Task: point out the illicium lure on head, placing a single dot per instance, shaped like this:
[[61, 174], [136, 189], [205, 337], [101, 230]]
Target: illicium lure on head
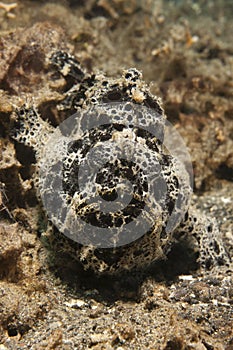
[[108, 176]]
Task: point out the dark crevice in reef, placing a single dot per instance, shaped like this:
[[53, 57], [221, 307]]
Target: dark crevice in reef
[[224, 172]]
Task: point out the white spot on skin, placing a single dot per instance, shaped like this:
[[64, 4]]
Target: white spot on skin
[[138, 95], [65, 70]]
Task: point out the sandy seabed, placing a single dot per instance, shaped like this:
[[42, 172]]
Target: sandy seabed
[[184, 50]]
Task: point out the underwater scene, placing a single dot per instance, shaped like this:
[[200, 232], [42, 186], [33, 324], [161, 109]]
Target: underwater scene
[[116, 174]]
